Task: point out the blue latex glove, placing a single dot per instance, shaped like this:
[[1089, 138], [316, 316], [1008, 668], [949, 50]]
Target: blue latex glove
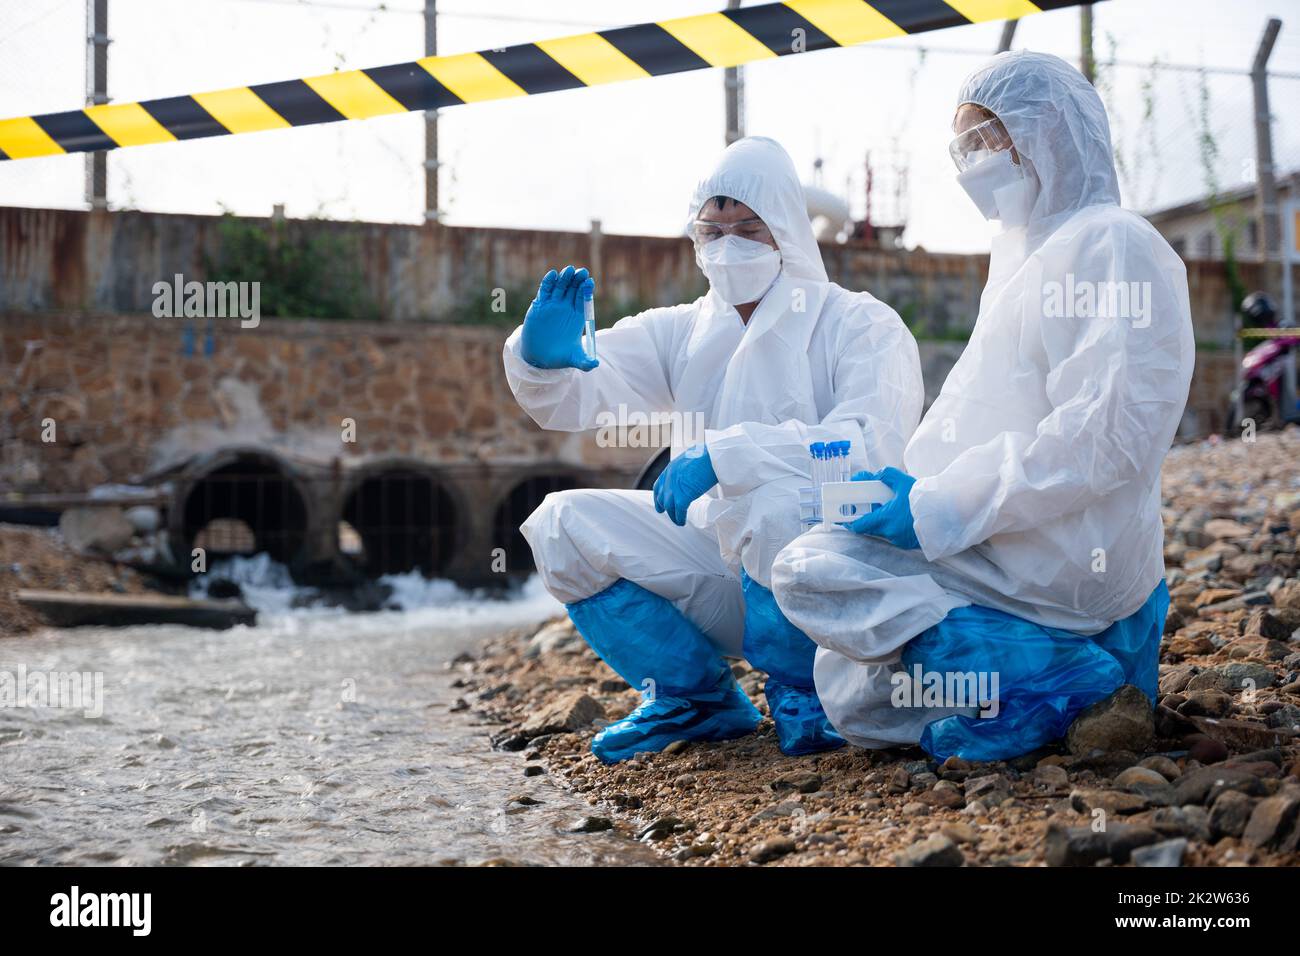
[[552, 336], [892, 520], [687, 476]]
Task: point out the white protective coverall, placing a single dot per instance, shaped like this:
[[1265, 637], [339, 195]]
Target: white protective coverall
[[1038, 466], [815, 363]]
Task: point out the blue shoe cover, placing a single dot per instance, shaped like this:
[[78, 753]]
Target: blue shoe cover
[[1135, 642], [647, 641], [775, 645], [722, 713], [801, 725], [1045, 676], [688, 691]]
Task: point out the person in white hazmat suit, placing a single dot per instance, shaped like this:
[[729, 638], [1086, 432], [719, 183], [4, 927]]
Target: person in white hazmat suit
[[1024, 541], [665, 585]]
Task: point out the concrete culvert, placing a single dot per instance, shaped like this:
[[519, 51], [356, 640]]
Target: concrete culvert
[[405, 519], [653, 468], [515, 507], [247, 506]]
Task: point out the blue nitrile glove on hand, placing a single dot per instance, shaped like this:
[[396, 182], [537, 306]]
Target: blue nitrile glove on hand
[[687, 476], [892, 520], [552, 336]]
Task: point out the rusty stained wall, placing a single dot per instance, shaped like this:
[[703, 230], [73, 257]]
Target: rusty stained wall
[[109, 261], [53, 259]]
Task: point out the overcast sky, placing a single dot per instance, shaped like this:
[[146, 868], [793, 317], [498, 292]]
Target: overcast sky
[[629, 153]]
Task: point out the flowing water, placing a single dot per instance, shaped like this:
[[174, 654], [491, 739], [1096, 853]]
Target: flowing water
[[314, 737]]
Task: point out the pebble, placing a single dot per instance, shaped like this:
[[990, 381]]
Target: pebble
[[658, 829], [1163, 766], [936, 850], [1206, 750], [1206, 703], [1050, 776], [1113, 802], [772, 849], [1166, 853], [1122, 721], [800, 781], [592, 825], [1141, 777], [960, 832], [694, 851], [990, 788]]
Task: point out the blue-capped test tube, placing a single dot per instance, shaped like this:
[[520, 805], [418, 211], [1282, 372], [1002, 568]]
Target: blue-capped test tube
[[844, 460], [589, 319], [818, 451]]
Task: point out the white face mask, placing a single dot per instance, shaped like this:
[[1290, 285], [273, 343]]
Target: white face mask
[[739, 270], [1000, 188]]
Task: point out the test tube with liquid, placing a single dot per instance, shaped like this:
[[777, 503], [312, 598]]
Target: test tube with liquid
[[589, 319]]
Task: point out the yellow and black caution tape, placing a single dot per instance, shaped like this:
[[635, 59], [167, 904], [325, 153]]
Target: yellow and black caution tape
[[728, 38]]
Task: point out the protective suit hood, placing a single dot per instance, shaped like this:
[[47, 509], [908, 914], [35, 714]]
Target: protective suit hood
[[758, 172], [1056, 120]]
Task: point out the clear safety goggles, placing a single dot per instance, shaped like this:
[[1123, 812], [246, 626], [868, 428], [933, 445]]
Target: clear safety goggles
[[978, 143], [706, 230]]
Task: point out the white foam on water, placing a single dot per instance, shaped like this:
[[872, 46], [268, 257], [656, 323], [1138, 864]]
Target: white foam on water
[[416, 601]]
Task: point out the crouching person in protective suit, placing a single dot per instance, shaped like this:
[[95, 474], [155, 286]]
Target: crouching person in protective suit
[[1024, 544], [666, 585]]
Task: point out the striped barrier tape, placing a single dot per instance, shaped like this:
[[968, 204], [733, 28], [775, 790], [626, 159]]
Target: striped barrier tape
[[728, 38]]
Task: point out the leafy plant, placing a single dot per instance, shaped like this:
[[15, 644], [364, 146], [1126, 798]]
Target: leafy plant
[[312, 272]]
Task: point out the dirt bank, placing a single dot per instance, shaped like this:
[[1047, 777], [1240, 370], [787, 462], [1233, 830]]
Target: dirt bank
[[38, 558], [1213, 780]]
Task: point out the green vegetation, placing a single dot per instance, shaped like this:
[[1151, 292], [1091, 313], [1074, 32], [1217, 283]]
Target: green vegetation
[[311, 271]]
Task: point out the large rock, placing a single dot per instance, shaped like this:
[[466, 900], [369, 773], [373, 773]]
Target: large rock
[[1273, 822], [937, 850], [1230, 814], [1267, 623], [96, 530], [1084, 846], [1204, 784], [558, 637], [1288, 595], [1239, 735], [1123, 721], [566, 714], [1242, 675]]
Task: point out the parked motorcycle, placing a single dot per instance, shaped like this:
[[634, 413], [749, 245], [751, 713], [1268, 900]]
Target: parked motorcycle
[[1262, 369]]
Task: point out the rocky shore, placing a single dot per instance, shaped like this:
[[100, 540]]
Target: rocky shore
[[1211, 778]]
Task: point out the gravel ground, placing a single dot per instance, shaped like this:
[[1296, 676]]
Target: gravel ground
[[1212, 778]]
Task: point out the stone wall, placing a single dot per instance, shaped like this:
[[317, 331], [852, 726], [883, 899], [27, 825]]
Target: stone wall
[[131, 396]]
